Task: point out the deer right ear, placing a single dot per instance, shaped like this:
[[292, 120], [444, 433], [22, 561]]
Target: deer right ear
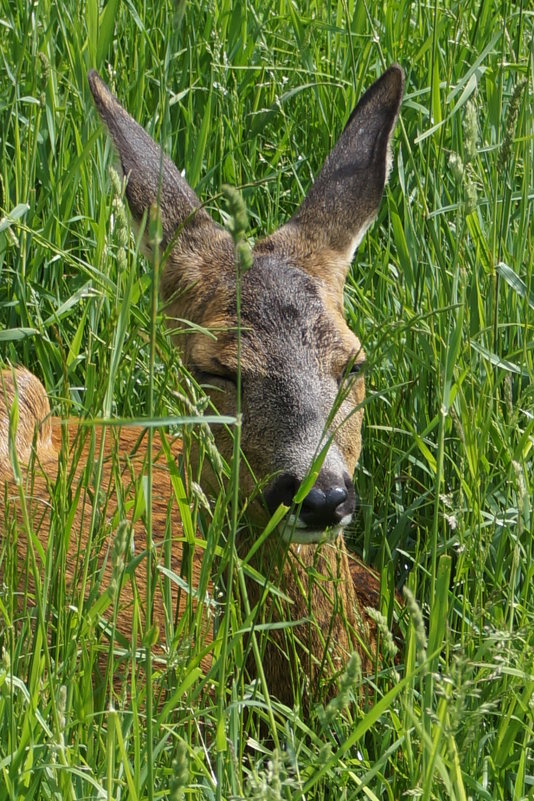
[[322, 237], [198, 244]]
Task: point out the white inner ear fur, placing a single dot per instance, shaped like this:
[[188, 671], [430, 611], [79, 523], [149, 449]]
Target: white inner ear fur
[[389, 161], [355, 243]]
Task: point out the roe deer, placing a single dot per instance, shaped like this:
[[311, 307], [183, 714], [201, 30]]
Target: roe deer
[[302, 383]]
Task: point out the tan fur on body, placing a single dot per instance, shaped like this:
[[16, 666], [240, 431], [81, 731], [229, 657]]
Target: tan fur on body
[[40, 439], [336, 605], [302, 386]]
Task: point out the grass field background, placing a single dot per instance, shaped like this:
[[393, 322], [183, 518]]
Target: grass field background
[[441, 294]]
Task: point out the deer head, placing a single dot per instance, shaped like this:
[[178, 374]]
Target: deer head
[[301, 366]]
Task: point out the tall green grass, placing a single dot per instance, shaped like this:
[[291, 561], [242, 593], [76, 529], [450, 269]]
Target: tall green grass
[[254, 94]]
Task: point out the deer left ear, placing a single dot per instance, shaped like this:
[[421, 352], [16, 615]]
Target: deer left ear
[[322, 237], [200, 249]]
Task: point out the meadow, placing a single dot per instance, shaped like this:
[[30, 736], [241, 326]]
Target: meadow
[[254, 94]]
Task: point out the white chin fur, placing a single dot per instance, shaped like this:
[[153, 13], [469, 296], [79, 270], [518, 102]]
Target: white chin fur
[[295, 530]]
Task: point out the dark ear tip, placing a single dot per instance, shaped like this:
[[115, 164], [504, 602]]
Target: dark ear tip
[[385, 94], [99, 89], [94, 79], [396, 69], [392, 83], [397, 76]]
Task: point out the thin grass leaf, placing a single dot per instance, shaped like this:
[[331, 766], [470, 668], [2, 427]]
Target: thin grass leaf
[[516, 283], [106, 29], [504, 364], [16, 334], [14, 215]]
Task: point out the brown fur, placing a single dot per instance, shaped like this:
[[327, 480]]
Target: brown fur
[[296, 354], [332, 609], [125, 462]]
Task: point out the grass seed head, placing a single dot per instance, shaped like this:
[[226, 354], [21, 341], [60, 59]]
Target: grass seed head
[[510, 126], [388, 647], [470, 127], [180, 773], [416, 616]]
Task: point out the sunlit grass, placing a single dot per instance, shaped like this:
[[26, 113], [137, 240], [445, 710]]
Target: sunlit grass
[[442, 296]]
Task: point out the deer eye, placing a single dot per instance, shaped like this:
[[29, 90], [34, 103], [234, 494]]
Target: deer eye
[[221, 380], [357, 368], [353, 369]]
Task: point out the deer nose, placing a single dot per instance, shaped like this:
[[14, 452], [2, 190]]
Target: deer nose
[[321, 509], [328, 503]]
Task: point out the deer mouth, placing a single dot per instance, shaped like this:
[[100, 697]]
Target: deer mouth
[[297, 531]]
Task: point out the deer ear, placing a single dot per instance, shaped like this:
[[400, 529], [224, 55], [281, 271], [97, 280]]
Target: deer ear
[[153, 180], [323, 235]]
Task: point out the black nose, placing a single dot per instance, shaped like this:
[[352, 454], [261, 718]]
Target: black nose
[[321, 509], [327, 503]]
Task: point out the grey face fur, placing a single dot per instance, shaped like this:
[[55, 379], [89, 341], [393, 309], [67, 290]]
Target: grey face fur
[[295, 364], [301, 384]]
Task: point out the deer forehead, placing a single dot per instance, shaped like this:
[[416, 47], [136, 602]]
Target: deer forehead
[[288, 319]]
